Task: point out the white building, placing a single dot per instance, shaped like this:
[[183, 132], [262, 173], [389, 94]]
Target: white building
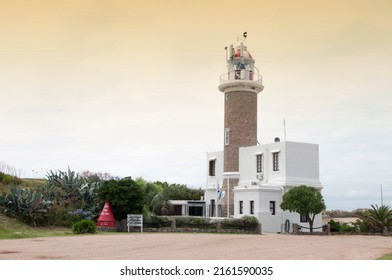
[[250, 179]]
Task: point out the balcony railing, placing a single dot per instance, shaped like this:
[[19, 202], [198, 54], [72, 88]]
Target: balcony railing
[[241, 75]]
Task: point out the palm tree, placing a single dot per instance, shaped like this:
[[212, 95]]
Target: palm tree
[[160, 205], [379, 217]]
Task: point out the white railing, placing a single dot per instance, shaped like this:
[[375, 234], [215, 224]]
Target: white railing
[[241, 75]]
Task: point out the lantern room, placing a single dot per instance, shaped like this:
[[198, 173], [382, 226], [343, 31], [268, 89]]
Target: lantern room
[[241, 71], [240, 64]]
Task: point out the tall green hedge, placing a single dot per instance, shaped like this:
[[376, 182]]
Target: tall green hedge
[[245, 223], [193, 222]]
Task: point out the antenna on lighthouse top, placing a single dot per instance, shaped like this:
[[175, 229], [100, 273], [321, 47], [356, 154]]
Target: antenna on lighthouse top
[[244, 36]]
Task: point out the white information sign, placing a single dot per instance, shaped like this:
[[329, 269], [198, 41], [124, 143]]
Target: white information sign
[[135, 221]]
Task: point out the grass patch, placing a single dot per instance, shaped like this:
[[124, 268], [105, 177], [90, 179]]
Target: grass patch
[[33, 183], [25, 184], [10, 228], [4, 188], [386, 257]]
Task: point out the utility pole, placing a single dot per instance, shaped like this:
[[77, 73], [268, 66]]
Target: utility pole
[[382, 199]]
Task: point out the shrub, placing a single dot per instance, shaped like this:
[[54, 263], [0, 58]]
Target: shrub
[[84, 226], [58, 216], [245, 222], [340, 227], [334, 226], [193, 222], [80, 214], [8, 179], [156, 221]]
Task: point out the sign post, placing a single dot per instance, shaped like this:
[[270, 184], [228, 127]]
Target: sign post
[[135, 221]]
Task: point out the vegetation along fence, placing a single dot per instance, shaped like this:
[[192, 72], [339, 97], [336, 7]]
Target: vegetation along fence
[[246, 224]]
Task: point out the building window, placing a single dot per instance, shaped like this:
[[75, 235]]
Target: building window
[[227, 136], [272, 207], [259, 163], [241, 207], [275, 161], [211, 167], [303, 218], [212, 209], [252, 207]]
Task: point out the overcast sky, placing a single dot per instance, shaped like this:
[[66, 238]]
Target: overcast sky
[[130, 88]]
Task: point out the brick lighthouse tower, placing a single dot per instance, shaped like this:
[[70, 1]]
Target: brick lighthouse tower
[[240, 85]]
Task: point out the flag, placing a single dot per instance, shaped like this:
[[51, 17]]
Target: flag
[[220, 194]]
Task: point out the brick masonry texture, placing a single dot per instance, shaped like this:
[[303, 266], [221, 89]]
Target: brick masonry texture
[[241, 118], [229, 190]]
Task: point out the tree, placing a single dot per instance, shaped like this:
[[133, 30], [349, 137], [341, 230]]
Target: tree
[[125, 197], [181, 192], [304, 200], [378, 217], [160, 205]]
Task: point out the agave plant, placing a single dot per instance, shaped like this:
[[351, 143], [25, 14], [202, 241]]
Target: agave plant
[[73, 189], [88, 192], [30, 205], [68, 181]]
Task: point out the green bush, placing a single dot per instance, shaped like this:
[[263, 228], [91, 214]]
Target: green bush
[[246, 223], [365, 226], [193, 222], [61, 216], [340, 227], [84, 226], [58, 216], [334, 226], [6, 178], [154, 221]]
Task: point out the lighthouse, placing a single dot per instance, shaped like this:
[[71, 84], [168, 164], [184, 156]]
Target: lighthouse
[[240, 86], [247, 178]]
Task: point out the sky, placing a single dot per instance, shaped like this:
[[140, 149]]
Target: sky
[[131, 87]]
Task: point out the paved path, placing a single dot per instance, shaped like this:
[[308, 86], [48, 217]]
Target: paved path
[[169, 246]]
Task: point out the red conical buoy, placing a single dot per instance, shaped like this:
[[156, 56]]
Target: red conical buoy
[[106, 218]]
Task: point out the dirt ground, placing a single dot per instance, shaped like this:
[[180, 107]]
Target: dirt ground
[[178, 246]]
